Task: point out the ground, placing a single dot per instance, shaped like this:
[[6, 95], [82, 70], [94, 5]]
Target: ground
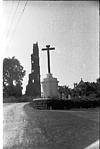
[[27, 128]]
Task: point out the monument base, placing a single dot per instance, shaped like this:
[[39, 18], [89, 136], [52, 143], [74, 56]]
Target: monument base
[[50, 87], [51, 104]]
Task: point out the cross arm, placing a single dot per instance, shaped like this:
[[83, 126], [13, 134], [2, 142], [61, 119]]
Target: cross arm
[[45, 49], [52, 48]]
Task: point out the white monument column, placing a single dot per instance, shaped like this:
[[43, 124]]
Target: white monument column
[[49, 84]]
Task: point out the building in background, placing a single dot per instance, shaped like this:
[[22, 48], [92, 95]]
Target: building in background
[[34, 87]]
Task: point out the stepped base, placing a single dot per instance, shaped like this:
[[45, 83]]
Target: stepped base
[[43, 103], [50, 103]]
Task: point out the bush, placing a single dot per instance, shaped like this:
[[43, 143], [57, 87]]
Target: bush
[[13, 99], [10, 99], [24, 98]]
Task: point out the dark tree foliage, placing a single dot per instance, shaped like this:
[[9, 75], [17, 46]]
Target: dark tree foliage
[[64, 90], [98, 87], [13, 74], [85, 89]]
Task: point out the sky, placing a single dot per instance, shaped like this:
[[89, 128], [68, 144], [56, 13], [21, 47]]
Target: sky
[[72, 27]]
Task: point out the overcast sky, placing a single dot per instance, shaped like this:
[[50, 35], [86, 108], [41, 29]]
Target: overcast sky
[[71, 27]]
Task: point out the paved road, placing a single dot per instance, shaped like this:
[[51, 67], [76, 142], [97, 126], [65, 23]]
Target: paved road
[[19, 131], [26, 128], [13, 124]]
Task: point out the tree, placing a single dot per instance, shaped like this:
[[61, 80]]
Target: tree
[[13, 74], [64, 90], [98, 87], [85, 89], [91, 88]]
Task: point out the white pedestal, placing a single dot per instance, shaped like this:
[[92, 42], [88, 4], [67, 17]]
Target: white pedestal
[[49, 86]]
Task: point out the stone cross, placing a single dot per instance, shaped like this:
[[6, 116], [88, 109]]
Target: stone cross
[[48, 55]]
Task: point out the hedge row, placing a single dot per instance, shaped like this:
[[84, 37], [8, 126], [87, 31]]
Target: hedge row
[[13, 99], [65, 104], [54, 103]]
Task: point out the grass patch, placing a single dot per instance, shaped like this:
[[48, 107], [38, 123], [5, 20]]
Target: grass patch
[[63, 129]]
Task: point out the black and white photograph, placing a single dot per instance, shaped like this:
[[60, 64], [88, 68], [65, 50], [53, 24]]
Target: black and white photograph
[[50, 69]]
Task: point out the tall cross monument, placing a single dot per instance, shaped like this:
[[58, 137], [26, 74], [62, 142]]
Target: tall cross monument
[[48, 48], [49, 84]]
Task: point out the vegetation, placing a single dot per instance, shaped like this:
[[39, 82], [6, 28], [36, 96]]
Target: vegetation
[[83, 95], [98, 88], [13, 74], [81, 90]]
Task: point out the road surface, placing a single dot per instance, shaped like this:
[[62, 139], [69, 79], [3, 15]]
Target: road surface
[[27, 128]]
